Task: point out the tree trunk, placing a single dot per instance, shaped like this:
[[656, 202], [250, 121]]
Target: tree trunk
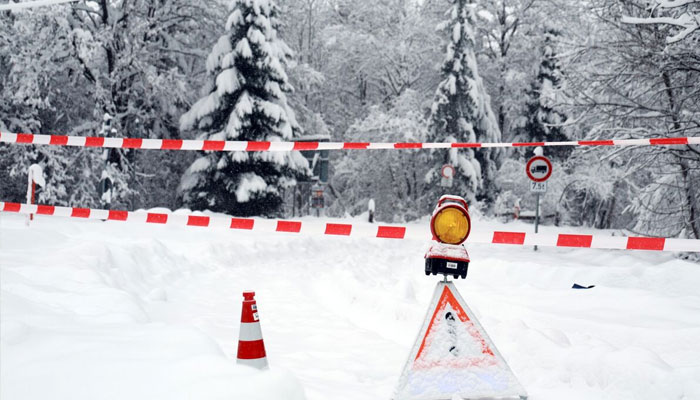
[[690, 194], [690, 198]]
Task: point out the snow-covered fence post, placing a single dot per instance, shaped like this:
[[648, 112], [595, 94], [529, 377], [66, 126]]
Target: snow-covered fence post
[[370, 209], [105, 190], [35, 176], [105, 186]]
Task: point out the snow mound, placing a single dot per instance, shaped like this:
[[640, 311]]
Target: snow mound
[[77, 324], [103, 310]]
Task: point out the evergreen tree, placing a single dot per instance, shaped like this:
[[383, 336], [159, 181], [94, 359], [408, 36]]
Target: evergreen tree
[[245, 100], [544, 120], [461, 112]]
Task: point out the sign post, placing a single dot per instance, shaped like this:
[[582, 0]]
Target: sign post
[[537, 215], [538, 169]]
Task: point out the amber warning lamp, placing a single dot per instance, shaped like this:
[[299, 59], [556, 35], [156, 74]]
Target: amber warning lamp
[[450, 222], [450, 225]]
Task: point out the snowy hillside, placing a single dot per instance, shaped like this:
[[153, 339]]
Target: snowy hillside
[[104, 310]]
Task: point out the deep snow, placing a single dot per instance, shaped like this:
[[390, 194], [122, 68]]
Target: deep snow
[[106, 310]]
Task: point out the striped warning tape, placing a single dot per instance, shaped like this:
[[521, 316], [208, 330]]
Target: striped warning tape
[[227, 145], [357, 229]]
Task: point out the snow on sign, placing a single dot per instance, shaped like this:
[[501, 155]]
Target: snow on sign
[[453, 357], [538, 169]]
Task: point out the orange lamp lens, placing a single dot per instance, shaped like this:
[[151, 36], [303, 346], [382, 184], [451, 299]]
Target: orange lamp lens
[[451, 226]]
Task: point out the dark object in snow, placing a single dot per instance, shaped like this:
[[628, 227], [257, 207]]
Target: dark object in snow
[[577, 286]]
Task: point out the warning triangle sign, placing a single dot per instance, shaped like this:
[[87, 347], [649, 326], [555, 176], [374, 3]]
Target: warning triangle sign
[[453, 357]]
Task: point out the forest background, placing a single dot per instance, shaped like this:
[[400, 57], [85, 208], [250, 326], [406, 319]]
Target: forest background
[[375, 70]]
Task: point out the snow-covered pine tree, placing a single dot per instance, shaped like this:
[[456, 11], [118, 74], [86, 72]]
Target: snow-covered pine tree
[[461, 112], [543, 119], [244, 100]]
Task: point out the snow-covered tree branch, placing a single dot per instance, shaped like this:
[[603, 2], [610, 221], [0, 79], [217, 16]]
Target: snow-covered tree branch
[[684, 15]]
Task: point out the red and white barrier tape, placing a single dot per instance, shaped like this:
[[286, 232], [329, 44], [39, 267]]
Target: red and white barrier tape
[[227, 145], [357, 229]]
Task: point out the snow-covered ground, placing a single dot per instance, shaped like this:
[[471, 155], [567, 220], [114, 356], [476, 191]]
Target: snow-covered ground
[[107, 310]]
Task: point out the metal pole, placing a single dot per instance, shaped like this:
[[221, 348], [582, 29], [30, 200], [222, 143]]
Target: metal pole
[[537, 215], [31, 216]]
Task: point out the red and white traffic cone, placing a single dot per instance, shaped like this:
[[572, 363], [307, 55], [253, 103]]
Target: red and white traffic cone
[[251, 348]]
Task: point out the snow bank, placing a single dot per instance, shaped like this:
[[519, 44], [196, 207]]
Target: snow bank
[[94, 310], [76, 323]]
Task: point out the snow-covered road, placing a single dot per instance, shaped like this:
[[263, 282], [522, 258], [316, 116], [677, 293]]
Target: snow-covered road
[[93, 310]]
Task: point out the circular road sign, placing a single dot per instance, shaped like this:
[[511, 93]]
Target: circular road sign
[[538, 168], [447, 171]]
